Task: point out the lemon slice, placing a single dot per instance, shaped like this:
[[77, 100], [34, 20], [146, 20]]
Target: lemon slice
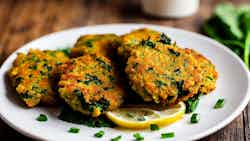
[[139, 117]]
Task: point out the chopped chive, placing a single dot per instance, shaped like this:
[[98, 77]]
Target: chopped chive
[[117, 138], [42, 118], [195, 118], [74, 130], [154, 127], [99, 134], [138, 137], [167, 135], [219, 103]]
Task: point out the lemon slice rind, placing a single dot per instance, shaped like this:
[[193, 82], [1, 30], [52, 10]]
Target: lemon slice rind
[[162, 118]]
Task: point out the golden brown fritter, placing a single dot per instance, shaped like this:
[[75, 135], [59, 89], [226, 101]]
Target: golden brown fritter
[[140, 36], [102, 44], [208, 72], [163, 74], [31, 75], [132, 39], [90, 85]]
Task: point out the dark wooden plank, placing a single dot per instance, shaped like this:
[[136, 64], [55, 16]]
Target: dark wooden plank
[[232, 132], [246, 117], [6, 8]]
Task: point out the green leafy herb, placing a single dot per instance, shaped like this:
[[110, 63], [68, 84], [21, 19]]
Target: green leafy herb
[[192, 103], [154, 127], [195, 118], [91, 78], [167, 135], [66, 51], [99, 134], [245, 24], [181, 91], [138, 137], [117, 138], [165, 39], [74, 130], [230, 25], [33, 67], [219, 104], [26, 95], [42, 118], [148, 43], [159, 83], [227, 19], [18, 80], [104, 65], [174, 52], [68, 115], [89, 44]]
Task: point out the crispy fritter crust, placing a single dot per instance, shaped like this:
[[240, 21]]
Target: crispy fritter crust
[[31, 76], [164, 74], [89, 85], [208, 72], [102, 44], [134, 38]]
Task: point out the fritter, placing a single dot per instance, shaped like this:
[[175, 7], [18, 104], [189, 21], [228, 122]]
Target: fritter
[[141, 36], [89, 84], [31, 76], [163, 74], [103, 44], [208, 72]]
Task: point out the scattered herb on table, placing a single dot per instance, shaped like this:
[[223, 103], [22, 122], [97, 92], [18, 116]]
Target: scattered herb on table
[[230, 25], [117, 138], [74, 130], [42, 118], [138, 137], [99, 134], [154, 127], [195, 118], [219, 103], [167, 135]]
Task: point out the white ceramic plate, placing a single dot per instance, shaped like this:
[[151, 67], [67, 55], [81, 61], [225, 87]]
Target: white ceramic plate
[[233, 85]]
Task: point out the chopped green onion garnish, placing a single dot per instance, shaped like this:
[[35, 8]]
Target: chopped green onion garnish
[[42, 118], [195, 118], [99, 134], [167, 135], [117, 138], [74, 130], [154, 127], [219, 103], [138, 137]]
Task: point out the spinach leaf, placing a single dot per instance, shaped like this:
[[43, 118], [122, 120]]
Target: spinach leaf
[[227, 16], [230, 25], [245, 24]]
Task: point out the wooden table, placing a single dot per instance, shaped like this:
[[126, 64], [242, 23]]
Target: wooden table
[[24, 20]]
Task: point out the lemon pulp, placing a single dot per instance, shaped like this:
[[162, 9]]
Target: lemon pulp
[[140, 117]]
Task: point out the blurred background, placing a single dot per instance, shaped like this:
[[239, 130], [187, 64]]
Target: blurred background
[[24, 20]]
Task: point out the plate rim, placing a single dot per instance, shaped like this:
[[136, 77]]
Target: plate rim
[[210, 131]]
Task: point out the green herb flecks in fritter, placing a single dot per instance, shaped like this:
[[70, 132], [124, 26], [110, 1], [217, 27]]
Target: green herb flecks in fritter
[[31, 75], [88, 84]]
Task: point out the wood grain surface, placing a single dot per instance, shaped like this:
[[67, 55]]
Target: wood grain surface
[[24, 20]]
